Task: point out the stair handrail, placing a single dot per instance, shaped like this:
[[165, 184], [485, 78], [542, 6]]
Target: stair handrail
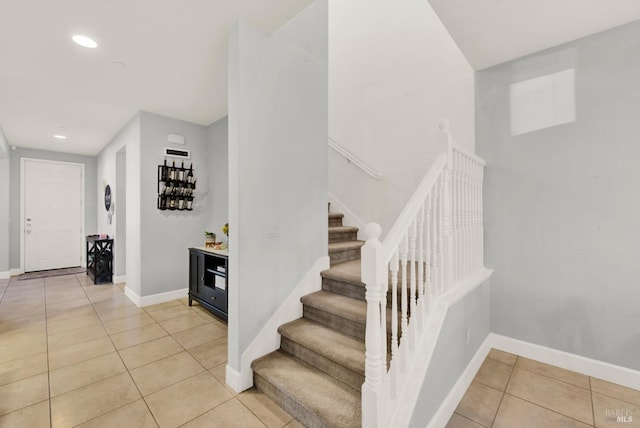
[[435, 244], [351, 158]]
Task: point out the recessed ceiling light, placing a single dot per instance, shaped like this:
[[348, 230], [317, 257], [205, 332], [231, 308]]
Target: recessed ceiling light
[[84, 41], [60, 137]]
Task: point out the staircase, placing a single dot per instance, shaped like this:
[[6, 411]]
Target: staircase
[[318, 372]]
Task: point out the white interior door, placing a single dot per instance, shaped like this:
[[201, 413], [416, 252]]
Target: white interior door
[[52, 215]]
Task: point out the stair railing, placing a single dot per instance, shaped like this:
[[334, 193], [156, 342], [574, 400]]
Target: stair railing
[[351, 158], [435, 244]]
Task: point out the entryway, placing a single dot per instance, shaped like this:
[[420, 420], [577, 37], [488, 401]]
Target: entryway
[[52, 214]]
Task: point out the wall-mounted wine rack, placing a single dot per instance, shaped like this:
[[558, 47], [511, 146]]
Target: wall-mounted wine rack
[[176, 185]]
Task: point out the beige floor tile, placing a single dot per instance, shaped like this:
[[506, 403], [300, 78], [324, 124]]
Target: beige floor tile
[[231, 414], [212, 353], [199, 335], [186, 400], [22, 349], [34, 416], [88, 402], [184, 301], [502, 356], [137, 336], [167, 371], [294, 424], [80, 352], [494, 374], [272, 415], [458, 421], [610, 412], [122, 312], [23, 393], [515, 412], [32, 321], [22, 368], [174, 325], [65, 297], [552, 394], [480, 403], [103, 304], [84, 373], [159, 306], [616, 391], [70, 313], [11, 310], [220, 373], [64, 325], [69, 338], [123, 324], [170, 312], [134, 415], [25, 334], [558, 373], [148, 352]]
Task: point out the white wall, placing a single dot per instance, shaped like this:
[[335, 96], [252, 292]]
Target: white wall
[[394, 73], [562, 203], [167, 235], [127, 139], [277, 167], [4, 207], [218, 166]]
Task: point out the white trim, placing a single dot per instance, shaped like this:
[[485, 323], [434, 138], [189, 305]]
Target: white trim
[[23, 160], [420, 359], [351, 158], [5, 275], [268, 339], [350, 217], [119, 279], [450, 403], [16, 271], [587, 366], [599, 369], [154, 299], [233, 378]]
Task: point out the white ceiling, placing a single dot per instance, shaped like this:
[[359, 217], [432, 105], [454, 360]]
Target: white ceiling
[[164, 56], [170, 57], [490, 32]]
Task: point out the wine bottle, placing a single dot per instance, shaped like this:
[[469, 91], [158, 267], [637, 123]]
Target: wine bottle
[[181, 172], [163, 173], [190, 174], [172, 171]]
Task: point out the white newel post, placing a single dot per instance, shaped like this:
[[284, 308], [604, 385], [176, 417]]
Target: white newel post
[[374, 277]]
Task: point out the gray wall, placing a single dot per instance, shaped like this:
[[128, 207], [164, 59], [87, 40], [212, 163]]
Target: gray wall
[[452, 355], [218, 166], [4, 206], [14, 198], [120, 213], [165, 236], [562, 204], [277, 167]]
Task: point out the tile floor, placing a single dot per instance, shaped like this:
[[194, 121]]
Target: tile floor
[[77, 354], [511, 391]]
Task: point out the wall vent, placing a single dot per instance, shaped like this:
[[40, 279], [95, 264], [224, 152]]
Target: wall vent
[[177, 153]]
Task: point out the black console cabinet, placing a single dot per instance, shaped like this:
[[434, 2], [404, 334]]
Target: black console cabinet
[[208, 279], [99, 259]]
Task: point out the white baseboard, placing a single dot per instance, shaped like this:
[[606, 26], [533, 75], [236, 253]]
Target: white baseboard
[[154, 299], [5, 275], [268, 340], [587, 366], [16, 271], [233, 378], [450, 403], [119, 279], [599, 369]]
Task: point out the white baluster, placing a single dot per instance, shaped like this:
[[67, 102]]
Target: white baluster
[[412, 281], [428, 286], [373, 274], [421, 302], [404, 249]]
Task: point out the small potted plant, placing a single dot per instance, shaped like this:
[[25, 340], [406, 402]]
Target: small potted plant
[[209, 239]]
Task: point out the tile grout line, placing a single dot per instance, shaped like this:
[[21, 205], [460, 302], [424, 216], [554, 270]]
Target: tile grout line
[[593, 408], [504, 392]]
